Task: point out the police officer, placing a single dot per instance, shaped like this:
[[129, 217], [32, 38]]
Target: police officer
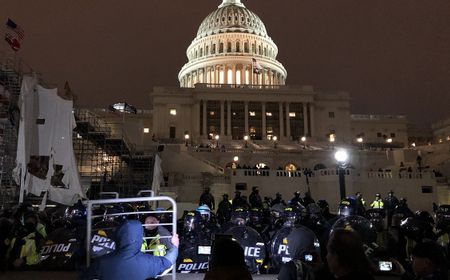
[[207, 198], [307, 199], [296, 200], [224, 210], [390, 203], [278, 199], [325, 210], [377, 203], [25, 245], [239, 201], [152, 237], [255, 199]]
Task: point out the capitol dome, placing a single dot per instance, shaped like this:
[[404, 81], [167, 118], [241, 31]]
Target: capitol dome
[[232, 47]]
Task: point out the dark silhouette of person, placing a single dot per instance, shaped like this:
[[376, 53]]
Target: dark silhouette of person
[[296, 200], [307, 199], [255, 198], [346, 258], [227, 261], [207, 199], [278, 199], [224, 210]]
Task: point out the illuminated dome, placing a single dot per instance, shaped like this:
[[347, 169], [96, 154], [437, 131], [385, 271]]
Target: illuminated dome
[[231, 18], [232, 47]]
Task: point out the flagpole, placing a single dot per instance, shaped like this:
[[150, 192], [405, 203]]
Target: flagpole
[[252, 73]]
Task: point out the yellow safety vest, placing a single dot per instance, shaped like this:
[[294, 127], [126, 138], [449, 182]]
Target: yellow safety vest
[[157, 248], [377, 204], [28, 250]]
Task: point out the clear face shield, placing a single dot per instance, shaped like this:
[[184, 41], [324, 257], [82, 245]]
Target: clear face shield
[[189, 224]]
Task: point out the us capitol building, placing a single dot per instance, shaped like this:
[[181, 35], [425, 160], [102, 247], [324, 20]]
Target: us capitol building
[[233, 86], [234, 123]]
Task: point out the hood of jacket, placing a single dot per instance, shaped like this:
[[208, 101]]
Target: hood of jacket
[[300, 241], [130, 236]]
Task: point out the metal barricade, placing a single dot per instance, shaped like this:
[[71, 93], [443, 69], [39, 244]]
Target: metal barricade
[[105, 195], [92, 204]]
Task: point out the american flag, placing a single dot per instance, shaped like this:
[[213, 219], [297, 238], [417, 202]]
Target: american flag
[[257, 68], [16, 28], [12, 41]]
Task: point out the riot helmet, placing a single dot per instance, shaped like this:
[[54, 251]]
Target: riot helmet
[[112, 213], [414, 228], [239, 216], [191, 221], [349, 207], [76, 214], [256, 216], [303, 244], [276, 211], [204, 212], [290, 216], [443, 217], [360, 225], [425, 217]]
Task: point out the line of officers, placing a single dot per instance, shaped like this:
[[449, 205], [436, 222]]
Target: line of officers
[[388, 228]]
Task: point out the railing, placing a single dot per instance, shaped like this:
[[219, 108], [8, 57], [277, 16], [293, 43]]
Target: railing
[[331, 172], [92, 203], [215, 166]]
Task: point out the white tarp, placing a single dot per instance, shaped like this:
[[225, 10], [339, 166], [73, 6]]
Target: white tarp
[[45, 158], [158, 177]]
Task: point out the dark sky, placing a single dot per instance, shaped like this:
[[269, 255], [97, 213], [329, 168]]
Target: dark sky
[[393, 56]]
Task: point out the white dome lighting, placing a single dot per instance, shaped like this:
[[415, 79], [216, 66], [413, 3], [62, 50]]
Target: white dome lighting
[[231, 43], [341, 156]]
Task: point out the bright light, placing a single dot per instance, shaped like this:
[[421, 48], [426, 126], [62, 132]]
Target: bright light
[[269, 114], [173, 112], [186, 136], [292, 114], [303, 139], [413, 144], [217, 137], [359, 140], [246, 137], [341, 156], [236, 158], [332, 137], [274, 138], [389, 140], [146, 130], [252, 113]]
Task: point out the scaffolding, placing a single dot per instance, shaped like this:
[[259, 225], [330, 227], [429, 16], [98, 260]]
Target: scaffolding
[[108, 158], [10, 80]]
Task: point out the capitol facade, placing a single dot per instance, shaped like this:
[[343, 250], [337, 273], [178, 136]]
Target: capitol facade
[[233, 86]]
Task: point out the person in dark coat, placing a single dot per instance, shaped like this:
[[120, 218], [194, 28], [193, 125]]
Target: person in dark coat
[[255, 199], [297, 200], [128, 262], [207, 198], [346, 258], [305, 252], [278, 199], [224, 210]]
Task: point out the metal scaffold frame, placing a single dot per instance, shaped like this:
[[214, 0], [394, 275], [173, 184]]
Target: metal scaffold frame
[[106, 155]]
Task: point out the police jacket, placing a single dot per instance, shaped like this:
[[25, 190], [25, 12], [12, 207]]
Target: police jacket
[[128, 262]]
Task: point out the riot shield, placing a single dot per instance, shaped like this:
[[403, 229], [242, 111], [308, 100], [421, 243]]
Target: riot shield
[[253, 244], [278, 248]]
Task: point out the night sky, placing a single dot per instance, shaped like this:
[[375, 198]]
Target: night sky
[[393, 56]]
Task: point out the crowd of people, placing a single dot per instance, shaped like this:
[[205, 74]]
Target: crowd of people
[[295, 239]]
